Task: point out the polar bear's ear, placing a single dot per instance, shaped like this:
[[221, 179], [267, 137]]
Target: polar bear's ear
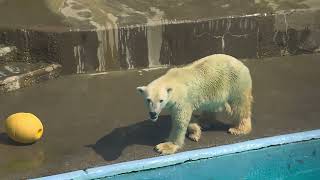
[[141, 89]]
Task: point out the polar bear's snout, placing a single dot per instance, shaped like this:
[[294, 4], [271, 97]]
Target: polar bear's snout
[[153, 116]]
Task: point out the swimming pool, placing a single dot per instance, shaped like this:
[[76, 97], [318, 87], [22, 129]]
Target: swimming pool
[[292, 156], [297, 161]]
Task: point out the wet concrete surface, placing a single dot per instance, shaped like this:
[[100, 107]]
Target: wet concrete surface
[[144, 46], [104, 35], [82, 14], [99, 119]]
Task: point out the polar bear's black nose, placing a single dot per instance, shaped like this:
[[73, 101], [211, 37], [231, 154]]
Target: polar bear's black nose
[[152, 114]]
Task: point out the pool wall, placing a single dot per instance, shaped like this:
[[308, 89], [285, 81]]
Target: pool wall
[[294, 161], [163, 161]]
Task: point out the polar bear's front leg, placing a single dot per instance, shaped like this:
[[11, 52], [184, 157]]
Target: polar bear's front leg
[[180, 122]]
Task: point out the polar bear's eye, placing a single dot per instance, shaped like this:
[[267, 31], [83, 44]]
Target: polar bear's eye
[[161, 101], [148, 100]]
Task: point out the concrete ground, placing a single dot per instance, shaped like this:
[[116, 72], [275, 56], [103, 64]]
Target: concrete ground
[[92, 120]]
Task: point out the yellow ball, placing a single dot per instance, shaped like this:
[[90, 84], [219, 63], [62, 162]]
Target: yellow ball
[[24, 127]]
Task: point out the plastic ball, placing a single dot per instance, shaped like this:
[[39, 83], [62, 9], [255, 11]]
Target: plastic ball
[[24, 127]]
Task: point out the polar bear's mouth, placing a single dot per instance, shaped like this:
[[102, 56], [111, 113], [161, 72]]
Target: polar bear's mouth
[[154, 120]]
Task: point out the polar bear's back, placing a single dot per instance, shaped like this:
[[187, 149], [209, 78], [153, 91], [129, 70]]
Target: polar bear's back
[[218, 64], [216, 76], [217, 61]]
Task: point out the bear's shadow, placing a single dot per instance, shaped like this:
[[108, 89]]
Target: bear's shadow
[[111, 146]]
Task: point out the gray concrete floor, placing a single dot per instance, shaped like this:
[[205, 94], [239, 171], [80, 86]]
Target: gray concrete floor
[[99, 120]]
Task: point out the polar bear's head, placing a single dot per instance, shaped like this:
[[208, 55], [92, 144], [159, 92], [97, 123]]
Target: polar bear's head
[[155, 98]]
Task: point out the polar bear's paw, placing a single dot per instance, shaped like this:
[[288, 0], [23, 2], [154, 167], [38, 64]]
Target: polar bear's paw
[[194, 132], [194, 137], [244, 127], [239, 131], [166, 148]]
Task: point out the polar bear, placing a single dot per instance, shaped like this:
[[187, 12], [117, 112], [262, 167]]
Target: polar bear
[[210, 83]]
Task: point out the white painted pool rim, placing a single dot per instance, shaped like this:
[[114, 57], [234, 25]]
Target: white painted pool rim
[[162, 161]]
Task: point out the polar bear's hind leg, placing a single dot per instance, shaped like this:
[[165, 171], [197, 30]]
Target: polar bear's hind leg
[[194, 132], [241, 114]]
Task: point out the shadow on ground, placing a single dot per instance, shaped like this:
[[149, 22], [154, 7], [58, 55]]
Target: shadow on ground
[[4, 139], [111, 146]]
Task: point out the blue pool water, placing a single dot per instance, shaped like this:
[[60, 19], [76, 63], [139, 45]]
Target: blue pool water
[[297, 161]]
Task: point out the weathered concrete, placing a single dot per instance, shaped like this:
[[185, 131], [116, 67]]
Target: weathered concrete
[[7, 53], [100, 14], [98, 119], [17, 75], [103, 35]]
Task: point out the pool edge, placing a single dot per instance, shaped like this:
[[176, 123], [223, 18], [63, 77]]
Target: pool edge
[[161, 161]]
